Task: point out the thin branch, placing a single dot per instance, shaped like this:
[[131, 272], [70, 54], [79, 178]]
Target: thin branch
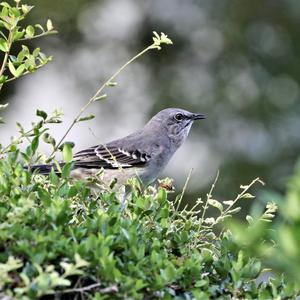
[[25, 73], [157, 41], [108, 290], [5, 59], [94, 97], [209, 195], [38, 35], [240, 195], [184, 189], [26, 133]]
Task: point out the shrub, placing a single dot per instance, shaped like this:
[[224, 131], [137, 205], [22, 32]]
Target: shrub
[[58, 239]]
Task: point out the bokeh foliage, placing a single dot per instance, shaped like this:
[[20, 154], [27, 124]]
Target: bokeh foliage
[[280, 250]]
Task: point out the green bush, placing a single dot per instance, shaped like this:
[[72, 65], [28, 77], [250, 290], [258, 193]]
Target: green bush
[[58, 239]]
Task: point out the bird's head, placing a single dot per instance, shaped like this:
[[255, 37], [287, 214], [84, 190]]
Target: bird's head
[[175, 122]]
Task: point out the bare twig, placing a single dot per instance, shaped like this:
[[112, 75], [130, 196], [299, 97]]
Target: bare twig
[[39, 35], [158, 40], [25, 73], [108, 290], [92, 99], [6, 149], [184, 189], [209, 195], [240, 195], [5, 59]]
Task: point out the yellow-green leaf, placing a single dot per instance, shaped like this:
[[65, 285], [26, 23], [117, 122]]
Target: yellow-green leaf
[[67, 152], [215, 204], [20, 70], [248, 196], [3, 45], [3, 106], [29, 31], [12, 69], [90, 117]]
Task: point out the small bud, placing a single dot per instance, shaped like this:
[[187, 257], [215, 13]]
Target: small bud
[[49, 25]]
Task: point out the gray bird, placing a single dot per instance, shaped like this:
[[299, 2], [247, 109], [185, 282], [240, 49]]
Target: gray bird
[[142, 154]]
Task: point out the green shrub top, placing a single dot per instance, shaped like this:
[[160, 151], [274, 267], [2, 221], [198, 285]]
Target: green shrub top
[[57, 238]]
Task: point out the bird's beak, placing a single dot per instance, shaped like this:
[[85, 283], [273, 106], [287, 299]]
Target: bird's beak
[[198, 116]]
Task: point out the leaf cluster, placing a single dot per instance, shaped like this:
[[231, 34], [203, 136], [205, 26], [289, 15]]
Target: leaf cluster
[[18, 60]]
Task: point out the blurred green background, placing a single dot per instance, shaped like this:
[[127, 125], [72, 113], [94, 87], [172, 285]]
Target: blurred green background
[[236, 61]]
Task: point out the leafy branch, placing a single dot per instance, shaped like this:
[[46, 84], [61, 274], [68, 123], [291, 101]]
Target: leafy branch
[[230, 204], [37, 130], [24, 62]]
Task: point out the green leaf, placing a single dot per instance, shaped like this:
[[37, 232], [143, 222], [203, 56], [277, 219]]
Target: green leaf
[[53, 177], [15, 12], [228, 202], [234, 211], [215, 204], [90, 117], [20, 70], [36, 52], [40, 27], [125, 233], [18, 35], [5, 4], [25, 157], [43, 56], [102, 97], [248, 196], [13, 59], [12, 69], [29, 31], [30, 63], [21, 56], [67, 152], [3, 45], [34, 144], [25, 49], [44, 195], [41, 113], [48, 139], [249, 219], [3, 106], [26, 8], [111, 83], [3, 79], [65, 172], [162, 196]]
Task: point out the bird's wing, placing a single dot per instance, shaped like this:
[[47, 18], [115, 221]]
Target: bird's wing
[[110, 157]]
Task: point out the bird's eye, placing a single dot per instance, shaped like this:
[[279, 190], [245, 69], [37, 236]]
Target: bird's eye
[[178, 117]]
